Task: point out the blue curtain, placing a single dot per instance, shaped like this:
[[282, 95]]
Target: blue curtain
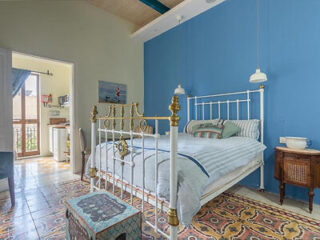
[[19, 76]]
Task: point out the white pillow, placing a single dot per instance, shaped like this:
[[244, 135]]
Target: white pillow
[[249, 128], [190, 124]]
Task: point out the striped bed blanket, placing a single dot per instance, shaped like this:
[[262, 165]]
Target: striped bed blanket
[[200, 162]]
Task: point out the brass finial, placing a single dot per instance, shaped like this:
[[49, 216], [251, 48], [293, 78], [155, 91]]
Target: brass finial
[[94, 114], [261, 86], [173, 217], [174, 108]]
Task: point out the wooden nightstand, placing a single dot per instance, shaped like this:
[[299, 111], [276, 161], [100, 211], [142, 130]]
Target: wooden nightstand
[[297, 167]]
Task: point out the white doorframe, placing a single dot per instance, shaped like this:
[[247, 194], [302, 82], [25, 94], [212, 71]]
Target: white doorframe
[[6, 134], [73, 131]]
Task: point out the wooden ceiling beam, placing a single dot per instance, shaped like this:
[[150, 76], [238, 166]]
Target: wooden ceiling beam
[[156, 5]]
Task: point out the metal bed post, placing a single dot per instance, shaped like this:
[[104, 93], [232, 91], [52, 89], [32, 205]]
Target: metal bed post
[[248, 104], [113, 149], [121, 136], [228, 111], [107, 164], [203, 111], [188, 107], [172, 212], [196, 107], [93, 147], [143, 171], [262, 135], [131, 153], [157, 135], [99, 134], [237, 109]]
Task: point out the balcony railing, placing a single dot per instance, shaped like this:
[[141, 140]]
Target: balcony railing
[[31, 138]]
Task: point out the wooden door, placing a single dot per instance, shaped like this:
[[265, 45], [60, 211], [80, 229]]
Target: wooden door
[[26, 118]]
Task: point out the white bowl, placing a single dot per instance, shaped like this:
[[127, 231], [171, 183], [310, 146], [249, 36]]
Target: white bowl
[[296, 142]]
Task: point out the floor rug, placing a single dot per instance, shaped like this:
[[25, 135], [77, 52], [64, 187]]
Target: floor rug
[[228, 216]]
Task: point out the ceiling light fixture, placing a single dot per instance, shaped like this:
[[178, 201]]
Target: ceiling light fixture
[[180, 90], [258, 76]]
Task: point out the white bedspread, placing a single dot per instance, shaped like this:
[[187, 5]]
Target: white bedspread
[[200, 162]]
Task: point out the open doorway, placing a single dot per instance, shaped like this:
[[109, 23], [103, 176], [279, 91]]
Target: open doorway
[[42, 113]]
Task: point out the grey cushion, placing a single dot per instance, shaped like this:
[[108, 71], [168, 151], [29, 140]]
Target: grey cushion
[[230, 129]]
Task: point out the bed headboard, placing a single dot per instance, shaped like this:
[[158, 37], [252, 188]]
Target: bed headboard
[[224, 101]]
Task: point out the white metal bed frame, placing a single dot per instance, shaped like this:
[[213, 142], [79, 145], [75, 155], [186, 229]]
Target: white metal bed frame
[[107, 124]]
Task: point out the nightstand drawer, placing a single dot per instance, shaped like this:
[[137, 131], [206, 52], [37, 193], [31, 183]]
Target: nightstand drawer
[[296, 157], [297, 171]]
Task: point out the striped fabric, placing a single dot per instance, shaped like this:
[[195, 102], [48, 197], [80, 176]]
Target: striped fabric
[[207, 133], [249, 128], [226, 154], [191, 124]]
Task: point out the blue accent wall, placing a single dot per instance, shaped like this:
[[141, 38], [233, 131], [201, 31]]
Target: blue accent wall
[[216, 52]]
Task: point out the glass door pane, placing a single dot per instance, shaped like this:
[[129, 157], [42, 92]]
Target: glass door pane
[[17, 109], [31, 137], [17, 138]]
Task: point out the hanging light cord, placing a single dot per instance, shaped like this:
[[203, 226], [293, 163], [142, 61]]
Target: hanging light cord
[[258, 33], [181, 39]]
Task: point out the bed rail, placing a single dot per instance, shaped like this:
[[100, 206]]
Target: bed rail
[[117, 117]]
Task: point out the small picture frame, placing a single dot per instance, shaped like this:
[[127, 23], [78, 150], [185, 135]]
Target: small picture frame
[[115, 93]]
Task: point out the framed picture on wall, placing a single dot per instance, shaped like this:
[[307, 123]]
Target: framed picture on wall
[[112, 92]]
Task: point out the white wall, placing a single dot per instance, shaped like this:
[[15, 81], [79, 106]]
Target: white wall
[[57, 85], [97, 42]]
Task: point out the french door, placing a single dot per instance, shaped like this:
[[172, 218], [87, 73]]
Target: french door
[[26, 131]]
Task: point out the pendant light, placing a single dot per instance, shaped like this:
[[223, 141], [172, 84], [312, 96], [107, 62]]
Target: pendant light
[[179, 90], [258, 76]]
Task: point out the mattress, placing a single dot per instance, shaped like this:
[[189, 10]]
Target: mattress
[[200, 163], [215, 188]]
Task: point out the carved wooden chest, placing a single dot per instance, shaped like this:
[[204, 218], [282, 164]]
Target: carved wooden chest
[[100, 215]]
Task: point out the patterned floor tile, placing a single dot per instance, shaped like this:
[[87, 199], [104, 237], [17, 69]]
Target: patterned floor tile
[[45, 212], [229, 216], [51, 225]]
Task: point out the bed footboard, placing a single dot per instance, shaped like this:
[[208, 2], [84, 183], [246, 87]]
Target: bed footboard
[[113, 125]]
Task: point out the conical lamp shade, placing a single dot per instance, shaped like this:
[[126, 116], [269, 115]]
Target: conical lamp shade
[[258, 77], [179, 90]]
